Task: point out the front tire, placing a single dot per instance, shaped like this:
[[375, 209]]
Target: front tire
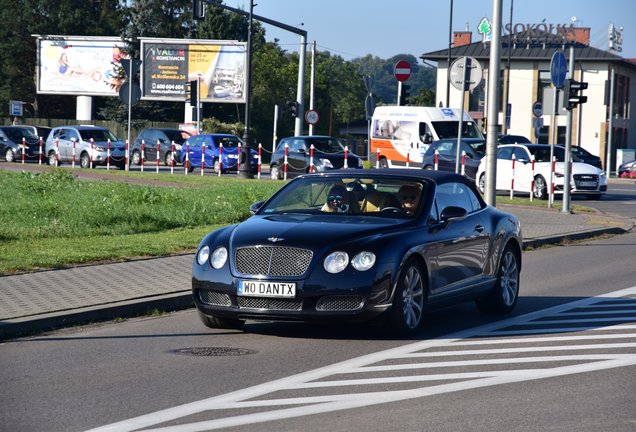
[[221, 323], [51, 158], [503, 297], [169, 159], [274, 172], [9, 156], [540, 188], [482, 183], [85, 161], [408, 300], [136, 158]]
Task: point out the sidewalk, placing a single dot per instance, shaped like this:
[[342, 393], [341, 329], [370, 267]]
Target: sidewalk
[[49, 299]]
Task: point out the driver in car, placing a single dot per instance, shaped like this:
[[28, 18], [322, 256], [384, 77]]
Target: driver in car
[[338, 201]]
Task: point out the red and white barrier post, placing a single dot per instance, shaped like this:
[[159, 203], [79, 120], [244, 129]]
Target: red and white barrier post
[[512, 182], [260, 152], [220, 160], [92, 149], [532, 178], [238, 159], [436, 159], [186, 164], [552, 176], [172, 161], [74, 145], [143, 154], [202, 158], [40, 153], [158, 154], [408, 158], [57, 152], [23, 148], [126, 156], [311, 158], [463, 170], [377, 159], [285, 162], [108, 156], [346, 158]]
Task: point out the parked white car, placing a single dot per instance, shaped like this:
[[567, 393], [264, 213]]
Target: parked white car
[[586, 179]]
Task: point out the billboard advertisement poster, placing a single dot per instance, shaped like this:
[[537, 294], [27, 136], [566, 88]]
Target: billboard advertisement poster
[[77, 65], [169, 64]]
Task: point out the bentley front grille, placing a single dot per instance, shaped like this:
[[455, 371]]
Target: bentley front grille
[[272, 260], [269, 303], [214, 298]]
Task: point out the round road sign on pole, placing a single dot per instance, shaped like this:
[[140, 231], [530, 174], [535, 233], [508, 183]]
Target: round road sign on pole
[[402, 70], [537, 109], [468, 67], [558, 69], [312, 117]]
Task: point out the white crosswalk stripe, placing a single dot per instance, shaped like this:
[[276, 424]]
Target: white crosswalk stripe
[[604, 328]]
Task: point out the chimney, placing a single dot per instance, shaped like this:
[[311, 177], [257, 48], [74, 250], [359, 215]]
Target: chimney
[[582, 35], [461, 38]]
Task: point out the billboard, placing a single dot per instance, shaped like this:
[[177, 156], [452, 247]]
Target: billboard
[[168, 64], [79, 65]]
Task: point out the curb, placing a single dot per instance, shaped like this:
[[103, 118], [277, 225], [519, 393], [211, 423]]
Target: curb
[[26, 326]]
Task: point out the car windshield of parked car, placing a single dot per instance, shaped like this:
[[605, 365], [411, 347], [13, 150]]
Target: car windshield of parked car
[[326, 145], [448, 129], [350, 196], [97, 135], [542, 154], [228, 141], [16, 134]]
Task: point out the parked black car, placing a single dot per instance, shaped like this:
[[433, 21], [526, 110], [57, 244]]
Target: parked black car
[[513, 139], [165, 138], [475, 149], [14, 138], [587, 157], [311, 253], [329, 153]]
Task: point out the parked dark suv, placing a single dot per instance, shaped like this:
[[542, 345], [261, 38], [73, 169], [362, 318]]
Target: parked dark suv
[[165, 137], [86, 144], [12, 139], [328, 154]]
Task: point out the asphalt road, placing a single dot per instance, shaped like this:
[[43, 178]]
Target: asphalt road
[[565, 367]]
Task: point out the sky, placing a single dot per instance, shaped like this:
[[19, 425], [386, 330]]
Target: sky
[[355, 28]]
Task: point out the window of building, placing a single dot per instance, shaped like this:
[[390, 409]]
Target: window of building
[[545, 81]]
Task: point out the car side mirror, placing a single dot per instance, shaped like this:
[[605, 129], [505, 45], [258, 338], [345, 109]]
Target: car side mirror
[[452, 212], [427, 138], [256, 206]]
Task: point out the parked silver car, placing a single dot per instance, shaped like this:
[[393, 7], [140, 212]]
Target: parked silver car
[[87, 145]]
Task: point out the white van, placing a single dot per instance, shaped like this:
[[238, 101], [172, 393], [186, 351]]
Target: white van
[[401, 134]]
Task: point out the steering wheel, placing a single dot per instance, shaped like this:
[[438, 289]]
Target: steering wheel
[[392, 210]]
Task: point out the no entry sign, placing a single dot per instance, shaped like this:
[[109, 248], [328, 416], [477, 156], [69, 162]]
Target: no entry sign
[[402, 70]]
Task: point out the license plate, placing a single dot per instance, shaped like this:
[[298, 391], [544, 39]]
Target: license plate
[[266, 289], [587, 184]]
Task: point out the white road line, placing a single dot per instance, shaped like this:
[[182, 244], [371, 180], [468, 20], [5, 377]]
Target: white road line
[[468, 380]]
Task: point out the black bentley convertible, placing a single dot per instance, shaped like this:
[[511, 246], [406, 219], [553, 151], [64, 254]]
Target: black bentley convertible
[[360, 245]]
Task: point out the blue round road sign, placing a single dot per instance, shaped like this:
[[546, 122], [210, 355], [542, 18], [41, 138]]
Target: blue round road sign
[[558, 69]]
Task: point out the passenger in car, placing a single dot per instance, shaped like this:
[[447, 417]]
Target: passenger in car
[[340, 200], [410, 197]]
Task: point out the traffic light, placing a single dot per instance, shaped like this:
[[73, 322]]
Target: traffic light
[[572, 93], [192, 92], [405, 94], [198, 9], [293, 108]]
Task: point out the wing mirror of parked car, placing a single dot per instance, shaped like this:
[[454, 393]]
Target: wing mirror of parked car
[[256, 206], [452, 212], [427, 138]]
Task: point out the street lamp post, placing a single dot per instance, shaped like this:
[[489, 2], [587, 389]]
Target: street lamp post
[[246, 167]]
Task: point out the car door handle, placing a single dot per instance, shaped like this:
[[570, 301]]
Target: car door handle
[[479, 228]]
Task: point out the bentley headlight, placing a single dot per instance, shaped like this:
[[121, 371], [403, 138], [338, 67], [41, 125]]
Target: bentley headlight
[[219, 257], [336, 262], [203, 255], [363, 261]]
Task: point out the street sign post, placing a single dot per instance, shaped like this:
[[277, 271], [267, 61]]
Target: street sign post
[[402, 70], [312, 117], [537, 109]]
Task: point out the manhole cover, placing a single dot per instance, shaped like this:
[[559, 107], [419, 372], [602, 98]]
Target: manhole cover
[[214, 351]]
